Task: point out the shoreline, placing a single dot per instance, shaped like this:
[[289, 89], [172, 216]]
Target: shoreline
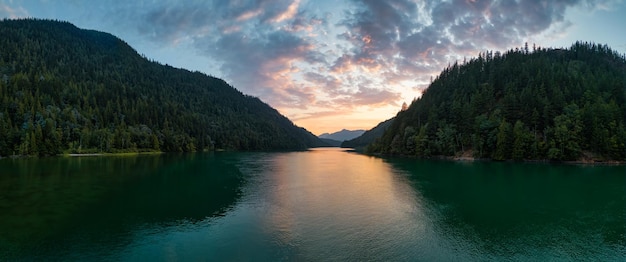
[[547, 161], [467, 157], [464, 157], [82, 155], [110, 154], [86, 155]]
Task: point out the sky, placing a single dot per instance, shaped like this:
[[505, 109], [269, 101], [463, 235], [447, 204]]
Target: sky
[[329, 65]]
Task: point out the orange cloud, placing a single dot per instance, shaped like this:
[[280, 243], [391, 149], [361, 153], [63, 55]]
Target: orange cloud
[[289, 13], [249, 15]]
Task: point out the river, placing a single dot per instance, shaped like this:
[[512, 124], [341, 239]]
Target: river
[[316, 205]]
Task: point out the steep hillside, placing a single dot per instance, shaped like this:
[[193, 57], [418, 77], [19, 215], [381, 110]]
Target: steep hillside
[[557, 104], [369, 136], [331, 143], [67, 89]]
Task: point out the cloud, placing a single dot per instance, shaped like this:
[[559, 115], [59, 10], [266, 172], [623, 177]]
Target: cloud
[[374, 97], [316, 115], [264, 64], [331, 55], [172, 20], [403, 38], [12, 12], [281, 50], [331, 84], [289, 13], [169, 24], [258, 44]]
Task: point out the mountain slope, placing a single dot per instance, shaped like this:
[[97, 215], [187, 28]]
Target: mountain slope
[[557, 104], [67, 89], [331, 143], [368, 136], [342, 135]]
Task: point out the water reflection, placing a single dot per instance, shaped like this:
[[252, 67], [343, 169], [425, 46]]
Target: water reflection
[[318, 205], [306, 206], [66, 206], [510, 210], [329, 204]]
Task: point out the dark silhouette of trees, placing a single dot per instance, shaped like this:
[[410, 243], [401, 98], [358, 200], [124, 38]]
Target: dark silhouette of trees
[[558, 104], [64, 89]]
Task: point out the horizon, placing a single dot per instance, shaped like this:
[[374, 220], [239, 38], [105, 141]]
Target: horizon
[[330, 67]]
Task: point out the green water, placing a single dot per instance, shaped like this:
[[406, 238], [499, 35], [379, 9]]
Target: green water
[[318, 205]]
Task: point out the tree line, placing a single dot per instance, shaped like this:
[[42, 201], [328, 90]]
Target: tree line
[[539, 104], [64, 89]]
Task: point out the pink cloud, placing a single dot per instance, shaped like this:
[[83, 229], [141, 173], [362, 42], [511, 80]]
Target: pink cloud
[[289, 13]]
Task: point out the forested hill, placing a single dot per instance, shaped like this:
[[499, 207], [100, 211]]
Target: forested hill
[[556, 104], [64, 89], [360, 142]]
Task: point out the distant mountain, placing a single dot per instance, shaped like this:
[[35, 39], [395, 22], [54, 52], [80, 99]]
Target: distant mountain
[[65, 89], [540, 104], [359, 143], [343, 135]]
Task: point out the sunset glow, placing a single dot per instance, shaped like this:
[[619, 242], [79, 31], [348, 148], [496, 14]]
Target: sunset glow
[[329, 65]]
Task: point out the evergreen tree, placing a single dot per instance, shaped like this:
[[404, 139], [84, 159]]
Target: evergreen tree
[[557, 104], [82, 91]]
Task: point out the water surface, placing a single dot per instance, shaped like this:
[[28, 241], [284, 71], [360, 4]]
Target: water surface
[[322, 204]]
